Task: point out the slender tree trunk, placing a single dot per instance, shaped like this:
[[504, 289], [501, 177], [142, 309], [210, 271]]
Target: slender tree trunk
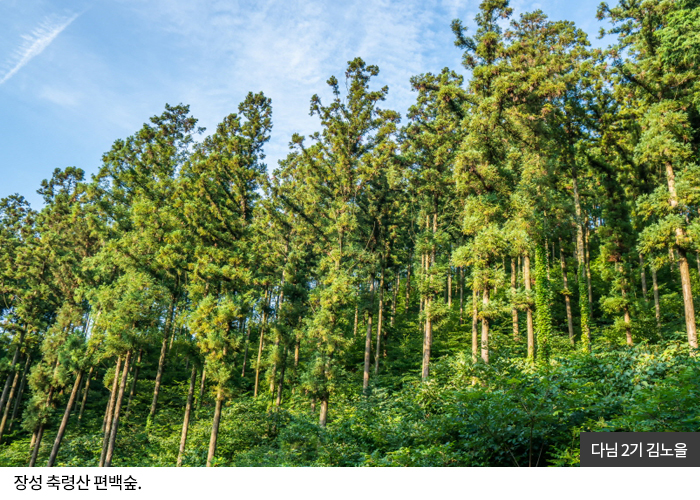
[[280, 384], [644, 278], [528, 311], [567, 299], [245, 352], [8, 405], [117, 408], [161, 360], [408, 281], [683, 264], [85, 393], [261, 343], [323, 416], [514, 310], [66, 416], [39, 434], [475, 324], [215, 426], [449, 287], [485, 329], [201, 386], [107, 424], [626, 317], [132, 391], [461, 295], [10, 376], [354, 328], [37, 445], [380, 317], [186, 421], [368, 339], [588, 274], [657, 306], [427, 340], [393, 300], [18, 400]]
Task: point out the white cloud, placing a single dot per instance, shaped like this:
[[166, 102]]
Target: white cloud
[[35, 43]]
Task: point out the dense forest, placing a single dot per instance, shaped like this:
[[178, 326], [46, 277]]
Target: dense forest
[[513, 262]]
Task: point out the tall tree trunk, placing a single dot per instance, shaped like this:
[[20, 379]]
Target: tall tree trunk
[[66, 416], [354, 328], [215, 425], [8, 404], [393, 300], [262, 341], [10, 376], [657, 306], [245, 352], [39, 434], [644, 278], [107, 423], [683, 264], [186, 421], [627, 319], [514, 310], [408, 281], [475, 324], [323, 416], [427, 340], [588, 275], [37, 445], [368, 339], [567, 298], [132, 391], [485, 328], [461, 295], [201, 386], [86, 390], [449, 287], [528, 311], [20, 393], [380, 317], [280, 384], [117, 408], [161, 361]]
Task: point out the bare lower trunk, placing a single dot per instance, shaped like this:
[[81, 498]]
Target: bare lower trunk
[[245, 352], [449, 287], [107, 423], [644, 278], [201, 387], [85, 393], [10, 376], [354, 328], [687, 299], [37, 445], [528, 311], [461, 295], [280, 383], [188, 410], [567, 298], [657, 306], [161, 360], [215, 426], [427, 340], [393, 300], [132, 391], [408, 283], [8, 404], [117, 408], [380, 317], [64, 422], [260, 351], [323, 416], [514, 310], [368, 339], [485, 329], [22, 384], [475, 325]]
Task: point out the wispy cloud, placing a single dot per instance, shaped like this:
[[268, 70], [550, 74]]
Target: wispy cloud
[[35, 43]]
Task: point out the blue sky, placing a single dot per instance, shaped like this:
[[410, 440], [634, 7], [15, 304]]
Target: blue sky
[[77, 75]]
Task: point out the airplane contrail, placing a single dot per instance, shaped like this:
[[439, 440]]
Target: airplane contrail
[[35, 43]]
